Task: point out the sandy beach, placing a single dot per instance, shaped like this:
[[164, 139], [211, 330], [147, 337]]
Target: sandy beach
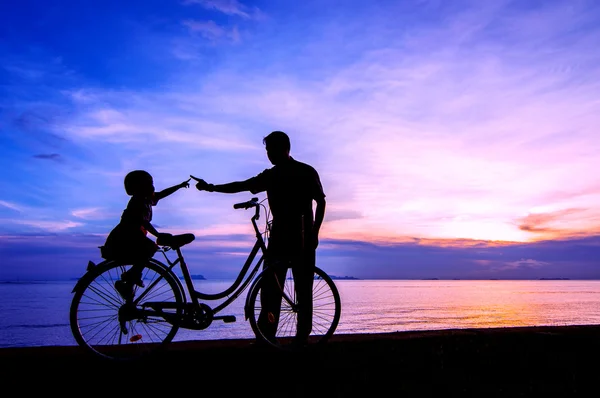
[[511, 362]]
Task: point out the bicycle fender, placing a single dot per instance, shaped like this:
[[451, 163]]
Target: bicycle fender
[[247, 301], [92, 271]]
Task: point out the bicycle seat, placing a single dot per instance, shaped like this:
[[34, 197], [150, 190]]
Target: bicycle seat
[[175, 241]]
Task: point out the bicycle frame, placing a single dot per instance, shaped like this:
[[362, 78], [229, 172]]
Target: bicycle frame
[[241, 283]]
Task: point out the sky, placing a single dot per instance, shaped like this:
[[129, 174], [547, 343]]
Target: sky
[[453, 139]]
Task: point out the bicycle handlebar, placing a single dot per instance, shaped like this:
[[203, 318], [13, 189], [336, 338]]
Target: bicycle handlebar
[[246, 205]]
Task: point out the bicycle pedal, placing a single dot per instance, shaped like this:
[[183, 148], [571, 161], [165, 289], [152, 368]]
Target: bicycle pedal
[[229, 318]]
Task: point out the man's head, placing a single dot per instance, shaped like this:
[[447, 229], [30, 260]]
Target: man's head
[[278, 146]]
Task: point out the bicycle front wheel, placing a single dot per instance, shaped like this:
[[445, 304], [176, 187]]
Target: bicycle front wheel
[[108, 326], [325, 315]]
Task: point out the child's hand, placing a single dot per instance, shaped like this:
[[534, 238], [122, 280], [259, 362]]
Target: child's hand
[[185, 184]]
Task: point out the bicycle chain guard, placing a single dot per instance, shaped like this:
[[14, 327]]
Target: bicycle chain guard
[[197, 318]]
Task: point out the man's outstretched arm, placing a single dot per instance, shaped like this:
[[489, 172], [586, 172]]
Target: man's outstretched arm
[[232, 187]]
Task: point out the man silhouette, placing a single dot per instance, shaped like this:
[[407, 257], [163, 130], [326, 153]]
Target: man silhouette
[[291, 187]]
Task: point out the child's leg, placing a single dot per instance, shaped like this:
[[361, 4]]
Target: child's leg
[[130, 278], [134, 274], [143, 252]]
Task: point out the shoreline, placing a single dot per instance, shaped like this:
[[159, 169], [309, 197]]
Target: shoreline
[[515, 361]]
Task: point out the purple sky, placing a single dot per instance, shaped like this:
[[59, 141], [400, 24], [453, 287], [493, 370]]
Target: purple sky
[[453, 140]]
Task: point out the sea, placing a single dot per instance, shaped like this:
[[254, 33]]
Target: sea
[[37, 313]]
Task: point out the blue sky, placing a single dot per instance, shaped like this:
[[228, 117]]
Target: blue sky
[[454, 139]]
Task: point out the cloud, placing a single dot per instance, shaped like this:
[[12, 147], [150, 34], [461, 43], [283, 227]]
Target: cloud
[[528, 263], [560, 222], [11, 206], [334, 214], [50, 156], [228, 7], [222, 257], [152, 119], [89, 214], [212, 31], [50, 226], [38, 122]]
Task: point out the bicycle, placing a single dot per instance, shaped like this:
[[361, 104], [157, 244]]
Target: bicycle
[[113, 328]]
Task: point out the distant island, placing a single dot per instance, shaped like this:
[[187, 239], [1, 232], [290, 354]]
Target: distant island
[[195, 277], [344, 277], [554, 279]]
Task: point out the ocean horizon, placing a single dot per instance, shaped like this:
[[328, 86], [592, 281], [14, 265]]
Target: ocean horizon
[[333, 277], [36, 313]]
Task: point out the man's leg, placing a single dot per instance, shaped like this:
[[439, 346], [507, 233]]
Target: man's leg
[[270, 300], [303, 281]]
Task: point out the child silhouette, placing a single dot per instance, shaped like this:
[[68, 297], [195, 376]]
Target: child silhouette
[[128, 241]]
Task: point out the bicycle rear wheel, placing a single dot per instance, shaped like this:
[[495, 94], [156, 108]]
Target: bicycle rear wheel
[[104, 324], [325, 316]]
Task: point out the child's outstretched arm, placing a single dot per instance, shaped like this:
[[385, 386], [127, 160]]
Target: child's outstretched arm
[[168, 191]]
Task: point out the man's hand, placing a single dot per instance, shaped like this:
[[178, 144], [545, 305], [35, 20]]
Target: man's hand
[[185, 184], [201, 185]]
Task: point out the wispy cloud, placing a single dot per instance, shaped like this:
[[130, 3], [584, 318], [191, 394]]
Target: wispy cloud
[[50, 226], [528, 263], [212, 31], [89, 214], [50, 156], [541, 222], [152, 119], [228, 7], [11, 206]]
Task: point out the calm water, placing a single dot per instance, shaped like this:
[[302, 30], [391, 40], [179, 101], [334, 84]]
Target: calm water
[[36, 314]]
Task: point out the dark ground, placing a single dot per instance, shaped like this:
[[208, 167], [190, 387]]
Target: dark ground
[[506, 362]]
